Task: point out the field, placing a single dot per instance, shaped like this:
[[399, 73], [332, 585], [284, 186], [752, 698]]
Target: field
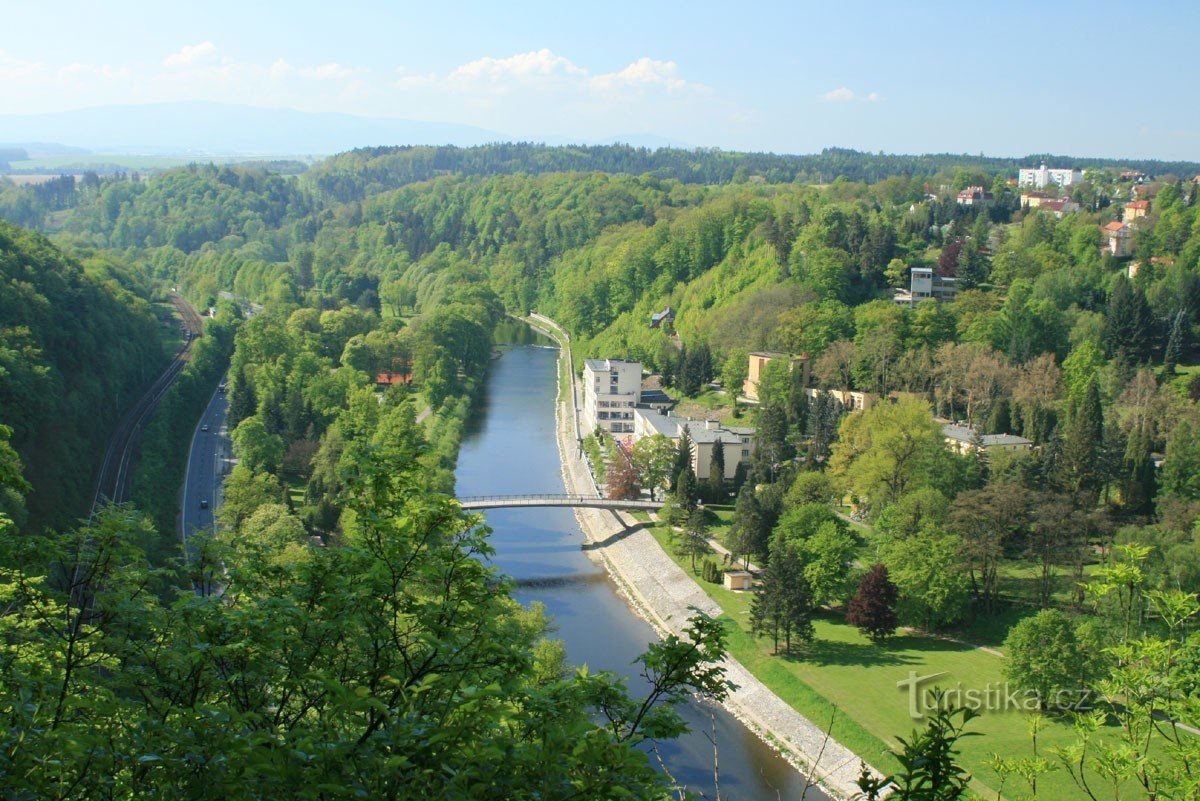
[[843, 670]]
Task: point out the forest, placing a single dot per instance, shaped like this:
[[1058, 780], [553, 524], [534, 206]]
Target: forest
[[402, 260]]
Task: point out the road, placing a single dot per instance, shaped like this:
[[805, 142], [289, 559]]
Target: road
[[210, 458], [116, 469]]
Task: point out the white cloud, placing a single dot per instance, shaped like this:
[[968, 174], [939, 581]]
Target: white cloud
[[645, 71], [844, 94], [78, 69], [190, 55], [327, 72], [534, 66], [13, 68]]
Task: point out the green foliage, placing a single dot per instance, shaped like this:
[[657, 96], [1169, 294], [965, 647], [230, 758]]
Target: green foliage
[[78, 344], [928, 570], [1045, 657], [292, 654]]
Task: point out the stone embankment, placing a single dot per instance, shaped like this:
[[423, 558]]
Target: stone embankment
[[665, 596]]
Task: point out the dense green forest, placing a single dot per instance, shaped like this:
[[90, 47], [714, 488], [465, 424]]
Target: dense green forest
[[402, 260], [78, 340]]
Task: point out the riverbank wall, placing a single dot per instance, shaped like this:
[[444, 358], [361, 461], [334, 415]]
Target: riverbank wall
[[666, 597]]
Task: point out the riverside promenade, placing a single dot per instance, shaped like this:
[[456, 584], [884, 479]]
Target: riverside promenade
[[665, 596]]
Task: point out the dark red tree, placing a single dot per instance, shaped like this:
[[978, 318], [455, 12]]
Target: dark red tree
[[948, 260], [873, 609], [622, 479]]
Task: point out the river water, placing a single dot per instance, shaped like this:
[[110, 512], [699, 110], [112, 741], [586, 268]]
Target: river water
[[509, 448]]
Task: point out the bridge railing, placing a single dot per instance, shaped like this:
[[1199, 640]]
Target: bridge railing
[[545, 496]]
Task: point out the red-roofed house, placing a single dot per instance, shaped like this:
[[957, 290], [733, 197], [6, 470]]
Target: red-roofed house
[[388, 378], [1118, 239], [974, 196], [1135, 209]]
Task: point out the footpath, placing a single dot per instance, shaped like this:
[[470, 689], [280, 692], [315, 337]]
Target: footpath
[[664, 595]]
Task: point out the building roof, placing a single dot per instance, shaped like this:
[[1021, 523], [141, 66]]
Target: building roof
[[967, 434], [1115, 226], [655, 396], [770, 354], [607, 364], [393, 378], [1138, 204]]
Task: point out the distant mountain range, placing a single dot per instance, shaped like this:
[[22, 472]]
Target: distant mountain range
[[222, 129]]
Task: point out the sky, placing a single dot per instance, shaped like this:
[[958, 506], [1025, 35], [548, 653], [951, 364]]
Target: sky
[[1082, 78]]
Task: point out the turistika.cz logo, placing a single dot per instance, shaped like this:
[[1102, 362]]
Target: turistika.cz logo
[[926, 694]]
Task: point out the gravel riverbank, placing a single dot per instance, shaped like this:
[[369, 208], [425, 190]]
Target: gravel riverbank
[[663, 594]]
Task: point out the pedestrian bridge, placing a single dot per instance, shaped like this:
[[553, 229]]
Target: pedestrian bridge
[[588, 501]]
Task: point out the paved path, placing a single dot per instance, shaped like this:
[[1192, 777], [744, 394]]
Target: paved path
[[666, 596]]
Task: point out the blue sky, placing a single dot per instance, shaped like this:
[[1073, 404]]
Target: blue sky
[[1085, 78]]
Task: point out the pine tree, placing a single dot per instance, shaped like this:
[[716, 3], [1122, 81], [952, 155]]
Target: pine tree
[[683, 458], [685, 490], [1083, 444], [873, 608], [714, 490], [783, 603], [242, 403], [1175, 343], [1128, 321]]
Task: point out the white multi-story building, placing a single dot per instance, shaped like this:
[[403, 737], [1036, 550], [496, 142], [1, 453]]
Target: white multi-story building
[[611, 388], [737, 443], [924, 283], [1043, 176]]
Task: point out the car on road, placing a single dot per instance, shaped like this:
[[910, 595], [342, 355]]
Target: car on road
[[204, 427], [204, 503]]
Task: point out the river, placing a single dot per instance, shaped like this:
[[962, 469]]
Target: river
[[508, 448]]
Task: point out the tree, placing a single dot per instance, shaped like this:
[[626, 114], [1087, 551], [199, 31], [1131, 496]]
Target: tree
[[622, 479], [887, 450], [1083, 444], [714, 485], [782, 605], [828, 554], [1043, 656], [1181, 467], [258, 449], [695, 536], [873, 608], [1128, 321], [654, 456], [1176, 342], [685, 490], [773, 447], [987, 520], [928, 570], [750, 532], [929, 770]]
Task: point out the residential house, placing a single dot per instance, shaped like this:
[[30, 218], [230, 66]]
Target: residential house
[[964, 440], [925, 283], [611, 389], [974, 196], [1135, 209], [664, 319], [1041, 177], [1060, 206], [389, 378], [759, 360], [851, 399], [1118, 234]]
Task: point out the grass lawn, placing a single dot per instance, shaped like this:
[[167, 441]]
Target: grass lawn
[[844, 671]]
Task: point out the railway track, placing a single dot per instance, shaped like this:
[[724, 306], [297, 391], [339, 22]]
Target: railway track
[[116, 469]]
